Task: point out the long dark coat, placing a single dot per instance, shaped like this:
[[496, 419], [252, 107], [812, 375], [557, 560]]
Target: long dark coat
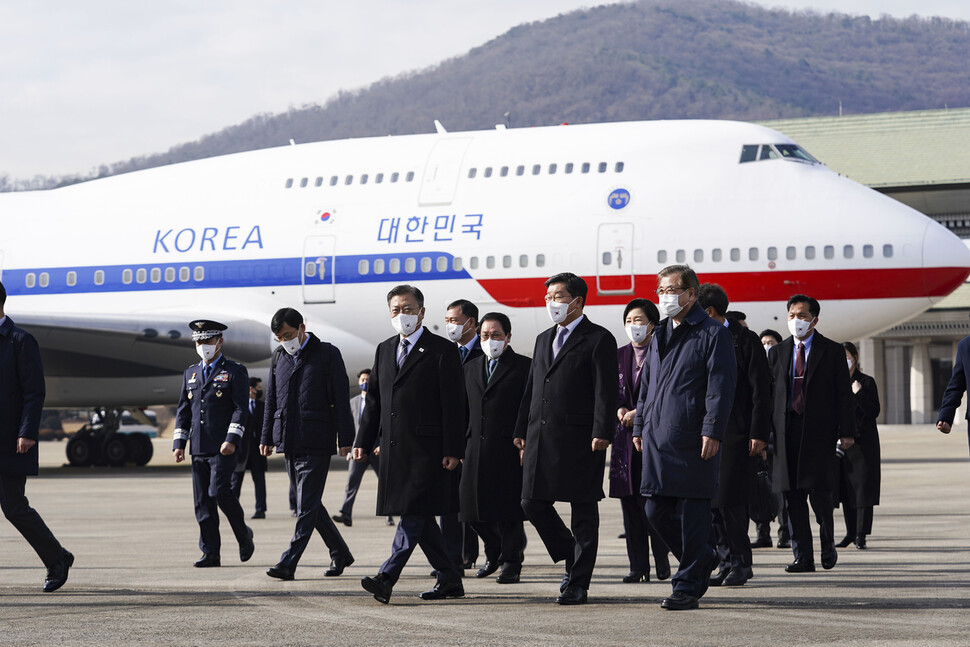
[[829, 414], [248, 456], [22, 393], [491, 478], [568, 401], [750, 417], [861, 464], [625, 461], [688, 395], [419, 415]]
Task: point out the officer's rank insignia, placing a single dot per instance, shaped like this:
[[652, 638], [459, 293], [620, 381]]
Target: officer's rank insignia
[[189, 395], [192, 381], [218, 393]]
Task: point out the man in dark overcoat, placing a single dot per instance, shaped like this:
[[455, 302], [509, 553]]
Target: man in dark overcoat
[[491, 478], [565, 424], [681, 420], [250, 457], [22, 393], [813, 409], [415, 404], [744, 441], [308, 420]]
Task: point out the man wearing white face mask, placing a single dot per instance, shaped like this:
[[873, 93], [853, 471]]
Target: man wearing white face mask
[[416, 404], [491, 478], [813, 409], [212, 412], [566, 422]]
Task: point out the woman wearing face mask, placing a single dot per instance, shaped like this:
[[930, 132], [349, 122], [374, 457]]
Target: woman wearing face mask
[[640, 316], [859, 483]]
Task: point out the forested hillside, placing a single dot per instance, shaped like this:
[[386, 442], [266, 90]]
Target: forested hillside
[[654, 59]]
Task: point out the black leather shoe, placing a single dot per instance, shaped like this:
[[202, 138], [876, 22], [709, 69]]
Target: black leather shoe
[[636, 576], [280, 572], [737, 577], [801, 566], [57, 576], [679, 601], [208, 561], [380, 585], [338, 565], [486, 570], [258, 515], [468, 564], [763, 541], [442, 591], [845, 541], [829, 558], [433, 574], [784, 542], [722, 574], [342, 518], [572, 595], [509, 575], [860, 542], [663, 572], [390, 520], [246, 550]]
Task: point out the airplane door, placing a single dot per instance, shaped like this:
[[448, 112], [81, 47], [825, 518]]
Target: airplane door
[[614, 258], [441, 172], [318, 269]]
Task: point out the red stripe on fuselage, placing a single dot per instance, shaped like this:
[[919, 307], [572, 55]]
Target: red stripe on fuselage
[[891, 283]]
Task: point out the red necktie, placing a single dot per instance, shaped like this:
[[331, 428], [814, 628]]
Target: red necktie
[[797, 399]]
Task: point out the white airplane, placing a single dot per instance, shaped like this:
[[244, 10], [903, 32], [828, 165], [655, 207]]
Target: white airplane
[[107, 273]]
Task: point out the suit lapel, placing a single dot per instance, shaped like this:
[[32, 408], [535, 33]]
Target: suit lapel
[[504, 366], [572, 340], [416, 355], [815, 357]]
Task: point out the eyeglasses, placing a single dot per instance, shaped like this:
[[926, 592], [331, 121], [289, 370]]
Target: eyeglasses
[[670, 289]]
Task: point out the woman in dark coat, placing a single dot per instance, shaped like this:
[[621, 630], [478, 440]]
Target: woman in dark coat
[[640, 316], [859, 483]]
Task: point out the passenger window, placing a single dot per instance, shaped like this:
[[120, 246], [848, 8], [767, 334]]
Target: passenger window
[[71, 279], [303, 182], [488, 171], [752, 253], [504, 172], [99, 277], [681, 256], [349, 180], [519, 170], [394, 177], [585, 167], [363, 266], [569, 168], [456, 264], [199, 273], [311, 269], [30, 280], [156, 275], [394, 266], [828, 251], [410, 265], [318, 182], [810, 252], [523, 260], [790, 253], [333, 180], [602, 167], [772, 253], [607, 258], [490, 262], [409, 177], [473, 262], [184, 274], [887, 251], [426, 264], [536, 169], [716, 254], [45, 279], [364, 178], [379, 178], [289, 183], [662, 256], [472, 172], [126, 276], [735, 254], [552, 169], [619, 167], [140, 276], [506, 262], [698, 255], [848, 251], [441, 264], [540, 260], [378, 266]]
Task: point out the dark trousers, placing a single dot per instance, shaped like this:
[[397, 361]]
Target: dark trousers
[[685, 525], [25, 519], [504, 541], [801, 529], [641, 536], [730, 525], [420, 530], [309, 475], [259, 484], [355, 472], [461, 541], [858, 521], [577, 547], [212, 487]]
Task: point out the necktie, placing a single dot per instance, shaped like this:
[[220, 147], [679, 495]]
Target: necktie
[[252, 407], [205, 373], [797, 399], [403, 353], [463, 351], [491, 369], [560, 340]]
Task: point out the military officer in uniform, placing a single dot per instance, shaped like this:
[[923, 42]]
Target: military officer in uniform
[[213, 407]]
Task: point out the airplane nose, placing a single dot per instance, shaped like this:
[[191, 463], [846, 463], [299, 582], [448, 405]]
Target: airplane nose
[[946, 261]]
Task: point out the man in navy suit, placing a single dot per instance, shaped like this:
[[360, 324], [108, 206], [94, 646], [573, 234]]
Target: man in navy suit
[[249, 457], [565, 423], [955, 388], [22, 395], [416, 404]]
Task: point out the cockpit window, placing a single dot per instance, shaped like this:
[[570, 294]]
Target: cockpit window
[[754, 152]]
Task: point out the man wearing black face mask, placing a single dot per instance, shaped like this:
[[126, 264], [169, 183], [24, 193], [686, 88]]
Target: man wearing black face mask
[[249, 456]]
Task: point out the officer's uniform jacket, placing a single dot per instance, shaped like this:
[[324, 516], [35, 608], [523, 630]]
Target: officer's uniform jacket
[[215, 411]]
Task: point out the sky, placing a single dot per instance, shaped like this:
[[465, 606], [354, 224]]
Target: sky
[[101, 81]]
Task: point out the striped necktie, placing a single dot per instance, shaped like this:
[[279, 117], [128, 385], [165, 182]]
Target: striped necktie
[[403, 353]]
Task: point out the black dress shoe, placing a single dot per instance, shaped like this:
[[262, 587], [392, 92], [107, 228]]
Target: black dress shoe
[[442, 591], [845, 541], [801, 566], [280, 572], [379, 585], [784, 542], [208, 561], [486, 570], [722, 574], [342, 518], [860, 542], [829, 558], [737, 577], [246, 550], [636, 576], [433, 574], [663, 572], [572, 595], [679, 601], [763, 541], [390, 520], [338, 565], [258, 515], [509, 575], [57, 576]]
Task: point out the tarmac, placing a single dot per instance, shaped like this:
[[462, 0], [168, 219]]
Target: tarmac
[[134, 537]]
